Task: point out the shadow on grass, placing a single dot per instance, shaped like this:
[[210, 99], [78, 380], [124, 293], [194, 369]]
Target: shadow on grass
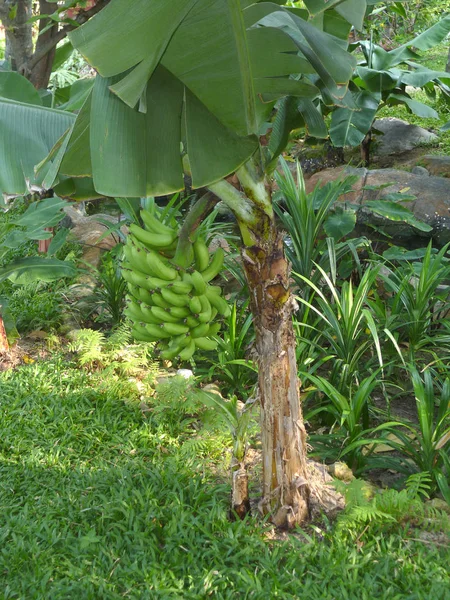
[[92, 508]]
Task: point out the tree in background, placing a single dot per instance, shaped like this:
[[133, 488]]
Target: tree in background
[[34, 58]]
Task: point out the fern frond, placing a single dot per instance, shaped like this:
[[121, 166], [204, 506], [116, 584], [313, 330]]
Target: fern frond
[[419, 484]]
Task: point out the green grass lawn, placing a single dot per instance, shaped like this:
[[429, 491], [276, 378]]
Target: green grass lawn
[[99, 501]]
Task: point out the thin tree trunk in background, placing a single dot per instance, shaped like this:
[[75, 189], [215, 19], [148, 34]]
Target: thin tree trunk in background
[[447, 66], [4, 346], [40, 74], [365, 149], [285, 476], [240, 502], [18, 32]]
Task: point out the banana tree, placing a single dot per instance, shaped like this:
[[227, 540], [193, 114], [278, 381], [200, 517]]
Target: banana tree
[[187, 88]]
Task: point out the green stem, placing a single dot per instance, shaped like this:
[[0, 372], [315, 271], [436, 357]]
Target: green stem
[[193, 219], [253, 184], [239, 204]]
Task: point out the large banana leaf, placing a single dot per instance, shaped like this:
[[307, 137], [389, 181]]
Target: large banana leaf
[[349, 127], [27, 134], [36, 268], [196, 77]]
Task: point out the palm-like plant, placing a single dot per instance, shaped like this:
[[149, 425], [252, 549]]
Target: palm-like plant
[[425, 445], [308, 219], [415, 294], [345, 319]]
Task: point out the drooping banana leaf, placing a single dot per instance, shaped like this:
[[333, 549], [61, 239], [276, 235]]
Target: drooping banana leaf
[[195, 78], [27, 134]]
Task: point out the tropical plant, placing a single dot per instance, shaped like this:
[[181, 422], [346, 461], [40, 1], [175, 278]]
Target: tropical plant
[[381, 79], [309, 218], [424, 446], [238, 421], [116, 352], [189, 95], [345, 317], [417, 293], [350, 416], [37, 59], [108, 296], [230, 363]]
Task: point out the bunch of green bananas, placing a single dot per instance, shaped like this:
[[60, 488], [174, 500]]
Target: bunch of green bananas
[[168, 304]]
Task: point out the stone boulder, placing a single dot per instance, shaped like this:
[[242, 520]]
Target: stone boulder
[[88, 232], [432, 203], [437, 165], [398, 136]]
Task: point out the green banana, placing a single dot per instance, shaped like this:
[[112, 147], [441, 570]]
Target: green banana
[[199, 283], [218, 302], [134, 291], [188, 351], [205, 343], [214, 266], [149, 317], [181, 340], [160, 268], [132, 277], [195, 305], [171, 352], [174, 299], [145, 296], [142, 335], [200, 331], [158, 300], [181, 287], [157, 331], [163, 316], [138, 279], [181, 312], [150, 239], [134, 312], [191, 322], [214, 329], [154, 225], [204, 316], [201, 254], [174, 328], [136, 258]]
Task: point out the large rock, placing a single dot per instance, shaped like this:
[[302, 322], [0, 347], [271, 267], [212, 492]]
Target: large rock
[[432, 203], [399, 136], [88, 232], [437, 165]]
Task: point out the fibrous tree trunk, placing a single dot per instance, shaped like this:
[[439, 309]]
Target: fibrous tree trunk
[[285, 480], [285, 477]]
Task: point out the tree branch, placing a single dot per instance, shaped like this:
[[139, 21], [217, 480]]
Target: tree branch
[[62, 33]]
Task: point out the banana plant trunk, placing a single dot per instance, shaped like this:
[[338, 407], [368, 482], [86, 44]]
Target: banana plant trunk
[[285, 494], [285, 480]]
